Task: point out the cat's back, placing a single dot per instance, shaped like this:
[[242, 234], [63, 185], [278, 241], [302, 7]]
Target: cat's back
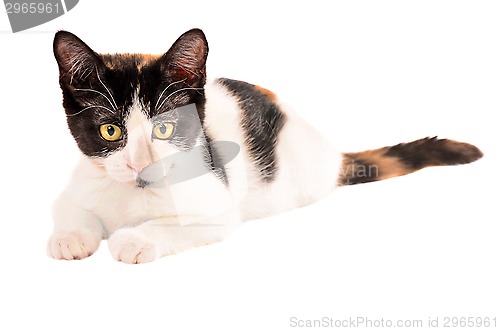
[[279, 151]]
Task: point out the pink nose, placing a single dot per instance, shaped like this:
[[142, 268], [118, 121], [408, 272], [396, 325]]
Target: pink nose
[[137, 167]]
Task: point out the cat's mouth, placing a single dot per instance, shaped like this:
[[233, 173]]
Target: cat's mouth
[[155, 174]]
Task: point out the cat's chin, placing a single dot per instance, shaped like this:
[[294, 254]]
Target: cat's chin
[[137, 182], [141, 183], [122, 177]]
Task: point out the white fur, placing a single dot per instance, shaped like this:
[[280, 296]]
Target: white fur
[[141, 225]]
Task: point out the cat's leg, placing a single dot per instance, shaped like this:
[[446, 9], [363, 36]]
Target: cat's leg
[[77, 232], [166, 236]]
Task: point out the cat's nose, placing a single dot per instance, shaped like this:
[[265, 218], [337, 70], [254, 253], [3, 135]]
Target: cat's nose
[[137, 167]]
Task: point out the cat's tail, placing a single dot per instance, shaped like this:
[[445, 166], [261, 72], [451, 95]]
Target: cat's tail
[[405, 158]]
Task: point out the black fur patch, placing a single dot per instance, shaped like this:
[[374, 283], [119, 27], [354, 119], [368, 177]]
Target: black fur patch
[[434, 152], [262, 123], [214, 161]]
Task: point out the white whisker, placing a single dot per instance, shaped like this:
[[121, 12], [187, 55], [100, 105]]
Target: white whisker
[[161, 94], [180, 90], [91, 90], [84, 109], [116, 107], [75, 68], [84, 74]]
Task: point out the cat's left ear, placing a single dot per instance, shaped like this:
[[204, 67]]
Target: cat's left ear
[[186, 59]]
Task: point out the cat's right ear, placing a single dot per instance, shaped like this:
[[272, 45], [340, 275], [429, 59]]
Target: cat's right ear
[[76, 60]]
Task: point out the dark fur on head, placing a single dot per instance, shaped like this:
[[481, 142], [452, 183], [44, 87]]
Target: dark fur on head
[[100, 89]]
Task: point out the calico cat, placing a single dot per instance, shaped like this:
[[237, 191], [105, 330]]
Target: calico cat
[[173, 161]]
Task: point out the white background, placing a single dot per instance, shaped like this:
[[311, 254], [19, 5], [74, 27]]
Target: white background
[[365, 73]]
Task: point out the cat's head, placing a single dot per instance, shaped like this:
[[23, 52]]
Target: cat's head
[[127, 111]]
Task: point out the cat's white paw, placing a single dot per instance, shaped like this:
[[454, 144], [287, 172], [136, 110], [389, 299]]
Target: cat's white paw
[[72, 246], [130, 246]]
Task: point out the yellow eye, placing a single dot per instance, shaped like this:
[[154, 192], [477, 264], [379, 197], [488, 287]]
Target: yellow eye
[[163, 131], [110, 132]]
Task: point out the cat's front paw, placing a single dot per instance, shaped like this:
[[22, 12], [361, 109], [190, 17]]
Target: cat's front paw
[[72, 246], [130, 246]]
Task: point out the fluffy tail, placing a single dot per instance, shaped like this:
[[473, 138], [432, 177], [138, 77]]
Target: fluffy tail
[[405, 158]]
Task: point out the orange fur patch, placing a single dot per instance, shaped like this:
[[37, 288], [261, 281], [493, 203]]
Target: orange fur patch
[[370, 166], [388, 166], [266, 92], [114, 61], [147, 58]]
